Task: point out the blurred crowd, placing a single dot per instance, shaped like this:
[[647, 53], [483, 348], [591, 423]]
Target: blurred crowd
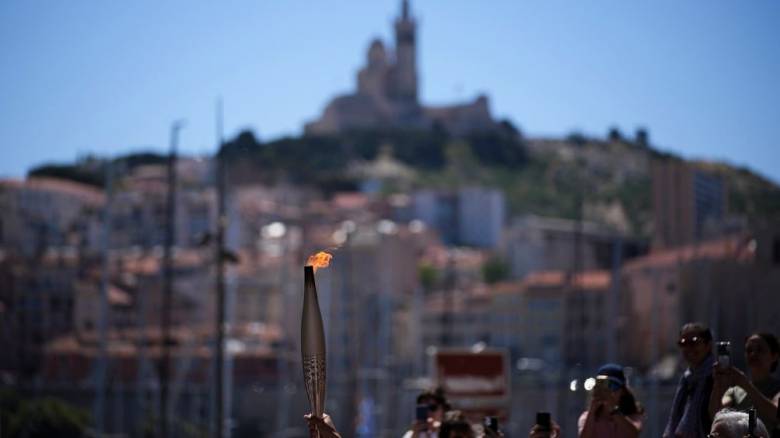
[[714, 399]]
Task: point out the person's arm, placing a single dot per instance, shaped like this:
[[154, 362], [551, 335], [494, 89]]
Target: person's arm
[[721, 383], [627, 426], [489, 433], [587, 429], [765, 407], [417, 428]]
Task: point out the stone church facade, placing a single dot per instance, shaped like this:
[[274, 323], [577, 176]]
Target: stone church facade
[[387, 94]]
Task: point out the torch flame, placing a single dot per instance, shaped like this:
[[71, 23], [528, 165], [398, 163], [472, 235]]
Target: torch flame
[[319, 260]]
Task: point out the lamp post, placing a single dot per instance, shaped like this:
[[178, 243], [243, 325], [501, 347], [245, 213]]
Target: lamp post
[[220, 281], [165, 322]]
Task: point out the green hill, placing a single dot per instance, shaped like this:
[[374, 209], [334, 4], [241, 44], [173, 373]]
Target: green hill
[[608, 180]]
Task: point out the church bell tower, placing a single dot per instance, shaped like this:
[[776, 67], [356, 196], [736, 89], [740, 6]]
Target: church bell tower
[[406, 56]]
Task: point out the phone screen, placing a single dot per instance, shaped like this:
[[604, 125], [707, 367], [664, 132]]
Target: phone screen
[[421, 413], [491, 423], [543, 420]]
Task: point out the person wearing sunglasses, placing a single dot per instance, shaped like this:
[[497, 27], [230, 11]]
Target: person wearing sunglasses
[[437, 406], [690, 416], [613, 410], [733, 389]]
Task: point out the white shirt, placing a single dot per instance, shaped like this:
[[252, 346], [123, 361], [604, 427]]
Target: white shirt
[[409, 433]]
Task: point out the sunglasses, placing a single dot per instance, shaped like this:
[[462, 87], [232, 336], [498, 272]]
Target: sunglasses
[[609, 384], [432, 406], [692, 340]]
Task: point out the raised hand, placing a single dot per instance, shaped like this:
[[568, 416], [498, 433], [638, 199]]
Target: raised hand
[[322, 425]]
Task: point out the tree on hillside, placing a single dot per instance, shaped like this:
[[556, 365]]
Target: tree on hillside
[[47, 417], [495, 270], [68, 172]]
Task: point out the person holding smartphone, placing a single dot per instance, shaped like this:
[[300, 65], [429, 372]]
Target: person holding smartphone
[[544, 427], [429, 413], [613, 411], [490, 428], [733, 389]]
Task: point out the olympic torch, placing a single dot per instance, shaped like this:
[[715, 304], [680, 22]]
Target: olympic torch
[[313, 337]]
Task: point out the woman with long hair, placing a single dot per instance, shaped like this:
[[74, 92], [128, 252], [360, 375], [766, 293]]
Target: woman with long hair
[[733, 389], [613, 411]]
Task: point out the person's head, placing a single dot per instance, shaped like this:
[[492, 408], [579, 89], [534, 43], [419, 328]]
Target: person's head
[[762, 352], [436, 402], [618, 393], [734, 424], [695, 343], [455, 425]]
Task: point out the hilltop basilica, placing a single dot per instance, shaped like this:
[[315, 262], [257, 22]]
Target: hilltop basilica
[[387, 96]]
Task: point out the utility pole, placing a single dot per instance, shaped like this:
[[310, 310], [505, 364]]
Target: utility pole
[[165, 327], [220, 286], [103, 318], [613, 300], [576, 295]]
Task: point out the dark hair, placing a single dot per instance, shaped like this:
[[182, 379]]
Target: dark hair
[[700, 328], [774, 345], [436, 396], [628, 404], [454, 421]]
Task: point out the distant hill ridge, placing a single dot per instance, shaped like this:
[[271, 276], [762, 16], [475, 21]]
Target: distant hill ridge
[[609, 178]]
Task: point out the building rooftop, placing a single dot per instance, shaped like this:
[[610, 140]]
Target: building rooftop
[[86, 193], [736, 247]]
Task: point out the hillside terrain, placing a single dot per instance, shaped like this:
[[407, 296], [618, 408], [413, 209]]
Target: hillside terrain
[[607, 180]]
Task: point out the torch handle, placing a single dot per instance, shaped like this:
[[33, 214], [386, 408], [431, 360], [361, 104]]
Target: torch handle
[[313, 348]]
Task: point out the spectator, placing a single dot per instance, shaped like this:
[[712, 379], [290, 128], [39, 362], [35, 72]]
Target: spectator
[[734, 424], [438, 405], [538, 432], [690, 416], [732, 389], [455, 425], [487, 430], [613, 410]]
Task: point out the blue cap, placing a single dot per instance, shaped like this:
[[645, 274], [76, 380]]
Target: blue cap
[[614, 373]]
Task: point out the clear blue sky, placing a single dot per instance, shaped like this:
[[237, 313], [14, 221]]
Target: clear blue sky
[[106, 77]]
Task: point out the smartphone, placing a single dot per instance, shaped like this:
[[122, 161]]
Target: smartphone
[[543, 421], [601, 388], [421, 413], [491, 423], [724, 354], [751, 422]]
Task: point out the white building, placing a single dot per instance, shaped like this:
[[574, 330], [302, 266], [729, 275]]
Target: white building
[[42, 212], [534, 243], [481, 215], [472, 216]]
